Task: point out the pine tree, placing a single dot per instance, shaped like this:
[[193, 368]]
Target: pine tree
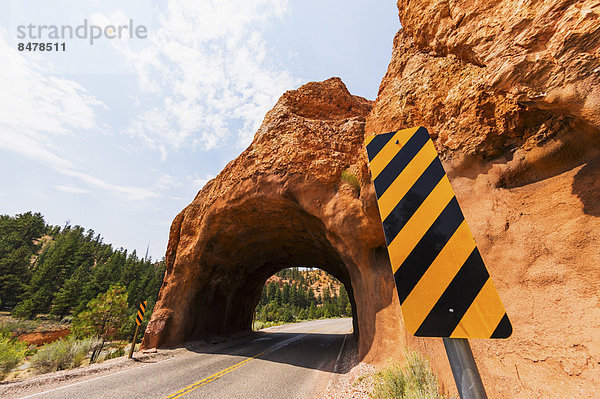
[[294, 295], [278, 297], [326, 295], [69, 295], [105, 315], [285, 294], [14, 273], [344, 302]]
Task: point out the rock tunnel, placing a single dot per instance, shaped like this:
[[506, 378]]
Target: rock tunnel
[[262, 237], [299, 195]]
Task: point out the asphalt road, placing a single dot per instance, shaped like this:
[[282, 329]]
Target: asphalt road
[[291, 361]]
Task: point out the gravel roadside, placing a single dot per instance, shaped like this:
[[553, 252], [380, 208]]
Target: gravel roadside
[[353, 379]]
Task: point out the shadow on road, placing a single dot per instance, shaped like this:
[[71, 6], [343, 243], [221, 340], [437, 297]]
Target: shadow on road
[[309, 350]]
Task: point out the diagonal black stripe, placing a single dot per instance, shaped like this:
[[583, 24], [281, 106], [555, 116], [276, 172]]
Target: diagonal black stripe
[[378, 143], [139, 321], [504, 329], [408, 205], [456, 299], [400, 160], [428, 248]]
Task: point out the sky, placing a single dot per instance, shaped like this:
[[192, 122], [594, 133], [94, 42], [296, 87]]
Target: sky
[[118, 134]]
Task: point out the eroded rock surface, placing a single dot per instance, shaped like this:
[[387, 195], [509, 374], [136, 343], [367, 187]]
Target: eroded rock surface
[[281, 203], [510, 93], [489, 77]]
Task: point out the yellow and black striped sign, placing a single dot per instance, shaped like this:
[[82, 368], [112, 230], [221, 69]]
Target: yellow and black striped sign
[[442, 282], [140, 314]]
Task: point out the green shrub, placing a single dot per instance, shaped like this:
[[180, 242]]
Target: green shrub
[[259, 325], [31, 350], [25, 309], [14, 328], [350, 179], [415, 380], [60, 355], [288, 317], [12, 353], [116, 353]]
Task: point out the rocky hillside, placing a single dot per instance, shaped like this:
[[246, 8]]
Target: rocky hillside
[[315, 279], [281, 203]]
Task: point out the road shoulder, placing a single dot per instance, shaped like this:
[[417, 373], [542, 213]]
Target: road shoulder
[[352, 379], [46, 382]]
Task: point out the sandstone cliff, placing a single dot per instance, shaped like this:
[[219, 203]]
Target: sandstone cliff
[[510, 92]]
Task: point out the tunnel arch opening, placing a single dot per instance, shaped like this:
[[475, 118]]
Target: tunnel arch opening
[[256, 239], [297, 294]]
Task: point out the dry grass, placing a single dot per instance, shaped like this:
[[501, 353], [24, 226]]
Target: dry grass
[[415, 380], [351, 180], [61, 355]]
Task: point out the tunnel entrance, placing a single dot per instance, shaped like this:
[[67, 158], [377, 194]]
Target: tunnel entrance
[[299, 196], [301, 294], [245, 254]]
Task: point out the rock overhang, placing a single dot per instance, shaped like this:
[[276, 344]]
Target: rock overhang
[[281, 203]]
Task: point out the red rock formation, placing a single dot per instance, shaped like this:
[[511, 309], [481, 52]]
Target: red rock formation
[[44, 337], [281, 203], [511, 94]]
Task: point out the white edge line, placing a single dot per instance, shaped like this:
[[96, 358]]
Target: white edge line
[[95, 378], [337, 361]]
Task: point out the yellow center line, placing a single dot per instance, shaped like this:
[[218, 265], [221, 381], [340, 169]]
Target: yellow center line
[[221, 373]]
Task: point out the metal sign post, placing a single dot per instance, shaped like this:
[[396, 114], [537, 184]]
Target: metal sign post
[[467, 378], [138, 321], [443, 285], [137, 327]]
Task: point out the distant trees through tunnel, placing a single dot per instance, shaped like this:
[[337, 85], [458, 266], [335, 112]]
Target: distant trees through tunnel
[[297, 294]]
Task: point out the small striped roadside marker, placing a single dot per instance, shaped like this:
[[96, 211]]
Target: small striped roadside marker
[[443, 285], [139, 318], [140, 314]]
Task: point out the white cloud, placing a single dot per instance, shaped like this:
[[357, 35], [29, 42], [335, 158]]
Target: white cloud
[[207, 69], [131, 193], [200, 182], [166, 181], [34, 101], [37, 107], [205, 75], [32, 145], [71, 189]]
